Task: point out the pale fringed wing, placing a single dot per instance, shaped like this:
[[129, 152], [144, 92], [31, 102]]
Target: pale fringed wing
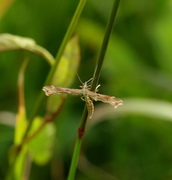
[[115, 102], [52, 90], [87, 96]]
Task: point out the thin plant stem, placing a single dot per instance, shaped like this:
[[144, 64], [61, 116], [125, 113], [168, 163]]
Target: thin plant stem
[[58, 56], [75, 159], [104, 46], [38, 102], [96, 76], [101, 56]]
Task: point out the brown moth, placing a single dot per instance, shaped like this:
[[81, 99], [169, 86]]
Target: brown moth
[[86, 95]]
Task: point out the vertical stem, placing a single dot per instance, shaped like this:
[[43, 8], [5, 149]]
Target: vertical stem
[[96, 75], [38, 102], [104, 46], [58, 56], [101, 56], [75, 158]]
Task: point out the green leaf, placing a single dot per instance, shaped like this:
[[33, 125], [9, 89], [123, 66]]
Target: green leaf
[[21, 122], [20, 164], [12, 42], [65, 72], [41, 146], [68, 64]]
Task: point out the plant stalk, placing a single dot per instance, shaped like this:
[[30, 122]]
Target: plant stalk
[[58, 56], [104, 46], [96, 76], [38, 102], [75, 158]]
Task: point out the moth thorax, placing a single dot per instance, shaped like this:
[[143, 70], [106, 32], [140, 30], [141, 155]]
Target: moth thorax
[[84, 89]]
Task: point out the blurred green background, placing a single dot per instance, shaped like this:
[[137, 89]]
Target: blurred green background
[[132, 142]]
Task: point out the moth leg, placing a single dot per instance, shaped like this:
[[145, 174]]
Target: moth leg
[[83, 98], [96, 90], [90, 106]]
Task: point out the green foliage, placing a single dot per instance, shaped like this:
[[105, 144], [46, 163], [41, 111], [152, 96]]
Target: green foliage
[[132, 142], [41, 154], [65, 72]]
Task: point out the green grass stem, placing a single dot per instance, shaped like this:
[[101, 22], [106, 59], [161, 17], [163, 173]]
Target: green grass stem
[[75, 158], [38, 102], [68, 35], [96, 76]]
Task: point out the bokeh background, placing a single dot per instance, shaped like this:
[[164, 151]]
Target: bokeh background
[[131, 142]]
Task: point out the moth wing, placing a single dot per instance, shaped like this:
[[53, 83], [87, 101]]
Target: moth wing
[[108, 99]]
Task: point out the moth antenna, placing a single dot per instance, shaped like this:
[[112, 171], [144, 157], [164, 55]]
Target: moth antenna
[[79, 78], [89, 80]]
